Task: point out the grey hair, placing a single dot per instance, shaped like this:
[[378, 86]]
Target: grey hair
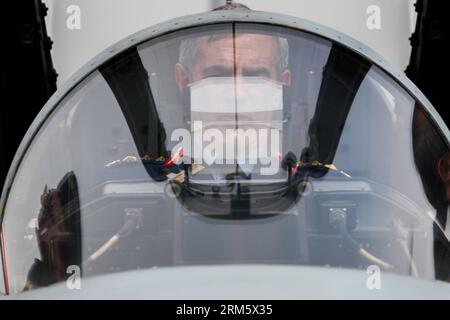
[[188, 47], [188, 53]]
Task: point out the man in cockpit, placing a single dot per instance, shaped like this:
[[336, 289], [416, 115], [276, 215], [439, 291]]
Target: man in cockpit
[[255, 66]]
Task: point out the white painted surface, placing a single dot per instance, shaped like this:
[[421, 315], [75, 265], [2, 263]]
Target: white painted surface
[[104, 22], [255, 282]]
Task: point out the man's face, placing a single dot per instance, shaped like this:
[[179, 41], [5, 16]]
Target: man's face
[[246, 55], [243, 56], [241, 90]]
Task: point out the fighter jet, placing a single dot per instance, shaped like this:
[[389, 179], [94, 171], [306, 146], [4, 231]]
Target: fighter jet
[[228, 155]]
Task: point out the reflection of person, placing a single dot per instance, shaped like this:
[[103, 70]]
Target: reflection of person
[[432, 159], [58, 234]]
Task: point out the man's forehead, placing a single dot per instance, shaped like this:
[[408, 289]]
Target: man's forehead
[[220, 48], [244, 40]]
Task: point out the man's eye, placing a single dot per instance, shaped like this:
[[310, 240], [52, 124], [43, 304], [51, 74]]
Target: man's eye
[[218, 74], [214, 75], [218, 71], [252, 74], [262, 72]]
